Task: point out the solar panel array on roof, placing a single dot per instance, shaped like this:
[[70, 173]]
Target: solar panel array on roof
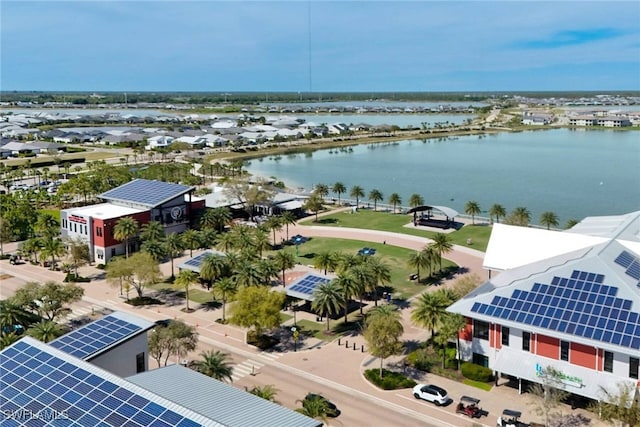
[[35, 381], [146, 192], [308, 284], [630, 263], [581, 305], [95, 336]]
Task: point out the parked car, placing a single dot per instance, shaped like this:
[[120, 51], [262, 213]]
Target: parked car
[[469, 406], [163, 323], [431, 393], [332, 411]]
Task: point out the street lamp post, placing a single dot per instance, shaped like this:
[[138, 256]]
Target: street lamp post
[[294, 332]]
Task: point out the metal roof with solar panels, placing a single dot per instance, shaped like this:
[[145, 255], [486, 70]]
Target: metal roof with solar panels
[[631, 264], [62, 390], [96, 337], [581, 305], [304, 287], [194, 263], [145, 192]]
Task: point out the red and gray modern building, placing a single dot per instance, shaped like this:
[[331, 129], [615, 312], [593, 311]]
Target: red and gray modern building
[[568, 300], [143, 200]]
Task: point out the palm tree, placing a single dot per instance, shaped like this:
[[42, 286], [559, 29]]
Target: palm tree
[[381, 274], [395, 200], [315, 407], [185, 279], [227, 288], [418, 260], [7, 339], [454, 324], [339, 188], [273, 223], [429, 310], [472, 208], [53, 247], [520, 216], [12, 315], [267, 392], [431, 256], [214, 364], [260, 241], [125, 229], [497, 211], [287, 219], [191, 240], [357, 192], [155, 248], [327, 299], [223, 217], [46, 331], [268, 270], [325, 261], [208, 237], [321, 190], [363, 279], [247, 274], [313, 204], [570, 223], [416, 200], [173, 247], [442, 244], [284, 260], [348, 286], [226, 242], [208, 220], [212, 267], [375, 196], [47, 225], [549, 219], [152, 230]]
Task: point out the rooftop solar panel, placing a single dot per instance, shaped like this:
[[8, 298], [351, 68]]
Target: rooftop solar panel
[[587, 306], [305, 286], [146, 192], [90, 339], [194, 263], [69, 394]]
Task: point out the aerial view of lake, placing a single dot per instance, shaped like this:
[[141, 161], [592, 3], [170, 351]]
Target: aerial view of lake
[[570, 172]]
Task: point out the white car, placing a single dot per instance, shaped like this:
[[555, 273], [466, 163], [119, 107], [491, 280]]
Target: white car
[[431, 393]]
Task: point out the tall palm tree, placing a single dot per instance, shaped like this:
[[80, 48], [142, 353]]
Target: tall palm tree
[[273, 223], [321, 190], [191, 240], [213, 266], [325, 261], [327, 299], [376, 196], [124, 230], [152, 230], [549, 219], [155, 248], [363, 279], [208, 220], [46, 331], [47, 225], [173, 247], [208, 237], [226, 242], [357, 192], [226, 287], [247, 274], [431, 256], [287, 218], [268, 270], [472, 208], [260, 241], [454, 324], [498, 211], [418, 260], [53, 247], [520, 216], [348, 287], [184, 280], [284, 260], [381, 275], [14, 315], [395, 200], [214, 364], [339, 188], [442, 244], [223, 217], [416, 200], [429, 310]]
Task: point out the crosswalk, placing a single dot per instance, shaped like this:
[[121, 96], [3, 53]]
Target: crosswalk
[[85, 311], [252, 366]]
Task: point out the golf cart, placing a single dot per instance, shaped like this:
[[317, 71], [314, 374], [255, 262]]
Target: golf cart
[[510, 418], [469, 406]]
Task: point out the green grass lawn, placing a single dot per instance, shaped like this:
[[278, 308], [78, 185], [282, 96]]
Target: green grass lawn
[[318, 329], [53, 212], [395, 257], [386, 221]]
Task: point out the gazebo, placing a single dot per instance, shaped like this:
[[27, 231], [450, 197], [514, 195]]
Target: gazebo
[[429, 221]]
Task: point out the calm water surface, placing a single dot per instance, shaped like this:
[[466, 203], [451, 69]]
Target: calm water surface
[[572, 173]]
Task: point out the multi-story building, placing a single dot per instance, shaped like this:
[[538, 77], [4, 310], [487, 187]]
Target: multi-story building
[[141, 199], [568, 300]]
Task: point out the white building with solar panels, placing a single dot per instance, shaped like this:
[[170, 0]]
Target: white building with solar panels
[[62, 384], [144, 200], [570, 300]]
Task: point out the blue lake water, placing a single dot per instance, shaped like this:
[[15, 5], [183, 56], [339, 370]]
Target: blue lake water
[[570, 172]]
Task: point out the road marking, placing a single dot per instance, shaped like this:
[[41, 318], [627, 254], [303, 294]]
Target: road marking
[[244, 368], [269, 356]]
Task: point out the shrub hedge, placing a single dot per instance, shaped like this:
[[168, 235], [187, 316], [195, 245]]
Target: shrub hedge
[[476, 372], [390, 380]]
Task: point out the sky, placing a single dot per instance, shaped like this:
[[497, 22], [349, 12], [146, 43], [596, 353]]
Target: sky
[[319, 46]]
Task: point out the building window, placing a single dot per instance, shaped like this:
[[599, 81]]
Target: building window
[[564, 351], [140, 365], [64, 224], [480, 329], [608, 361], [113, 251], [526, 341], [100, 254], [505, 336], [633, 367], [99, 231], [480, 359]]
